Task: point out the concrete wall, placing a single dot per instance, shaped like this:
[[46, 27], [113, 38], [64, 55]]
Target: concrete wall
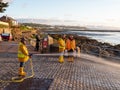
[[5, 30]]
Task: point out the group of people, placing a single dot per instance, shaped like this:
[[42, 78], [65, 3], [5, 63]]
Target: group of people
[[66, 44]]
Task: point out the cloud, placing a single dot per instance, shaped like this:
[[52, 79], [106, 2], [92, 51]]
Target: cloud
[[24, 5], [68, 15], [7, 1]]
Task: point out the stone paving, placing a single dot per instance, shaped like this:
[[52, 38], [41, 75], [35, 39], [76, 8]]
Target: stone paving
[[82, 74]]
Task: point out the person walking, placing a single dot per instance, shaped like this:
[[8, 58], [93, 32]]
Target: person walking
[[23, 56], [37, 43], [70, 46], [61, 43]]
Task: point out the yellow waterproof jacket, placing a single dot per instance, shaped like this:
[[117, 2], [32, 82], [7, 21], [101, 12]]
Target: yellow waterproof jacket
[[70, 44], [61, 43], [22, 53]]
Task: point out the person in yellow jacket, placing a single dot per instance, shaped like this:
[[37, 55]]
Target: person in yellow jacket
[[70, 46], [61, 43], [23, 56]]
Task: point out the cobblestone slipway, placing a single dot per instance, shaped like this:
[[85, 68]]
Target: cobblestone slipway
[[82, 74]]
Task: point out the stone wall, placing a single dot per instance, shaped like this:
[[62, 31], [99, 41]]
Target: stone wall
[[5, 30]]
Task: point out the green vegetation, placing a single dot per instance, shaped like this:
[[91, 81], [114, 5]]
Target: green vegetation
[[25, 28], [55, 27], [3, 6], [35, 25]]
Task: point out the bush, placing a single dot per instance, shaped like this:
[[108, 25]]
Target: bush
[[24, 28]]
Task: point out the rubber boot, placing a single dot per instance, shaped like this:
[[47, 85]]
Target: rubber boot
[[21, 72], [61, 59]]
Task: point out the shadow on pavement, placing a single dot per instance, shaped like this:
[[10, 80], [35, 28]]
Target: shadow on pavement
[[30, 84]]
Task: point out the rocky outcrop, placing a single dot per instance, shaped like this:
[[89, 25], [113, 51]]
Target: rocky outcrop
[[17, 34]]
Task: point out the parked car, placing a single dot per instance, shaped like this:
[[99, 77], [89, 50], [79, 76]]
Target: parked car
[[6, 36]]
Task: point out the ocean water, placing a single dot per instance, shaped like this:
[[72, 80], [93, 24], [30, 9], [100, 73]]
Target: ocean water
[[108, 37]]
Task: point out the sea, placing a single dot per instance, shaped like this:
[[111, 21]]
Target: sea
[[111, 37], [103, 36]]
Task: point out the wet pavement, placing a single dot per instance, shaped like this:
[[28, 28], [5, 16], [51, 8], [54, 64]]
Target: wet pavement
[[85, 73]]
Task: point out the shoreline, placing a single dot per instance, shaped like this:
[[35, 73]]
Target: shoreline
[[67, 32], [104, 37], [95, 30]]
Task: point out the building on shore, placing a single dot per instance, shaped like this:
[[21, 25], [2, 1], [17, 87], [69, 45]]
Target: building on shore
[[11, 21]]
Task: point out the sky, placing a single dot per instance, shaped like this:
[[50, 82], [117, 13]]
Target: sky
[[83, 12]]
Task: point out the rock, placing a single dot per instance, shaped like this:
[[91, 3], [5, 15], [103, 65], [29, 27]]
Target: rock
[[17, 34], [104, 53], [93, 46]]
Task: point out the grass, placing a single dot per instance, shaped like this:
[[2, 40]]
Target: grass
[[24, 28]]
